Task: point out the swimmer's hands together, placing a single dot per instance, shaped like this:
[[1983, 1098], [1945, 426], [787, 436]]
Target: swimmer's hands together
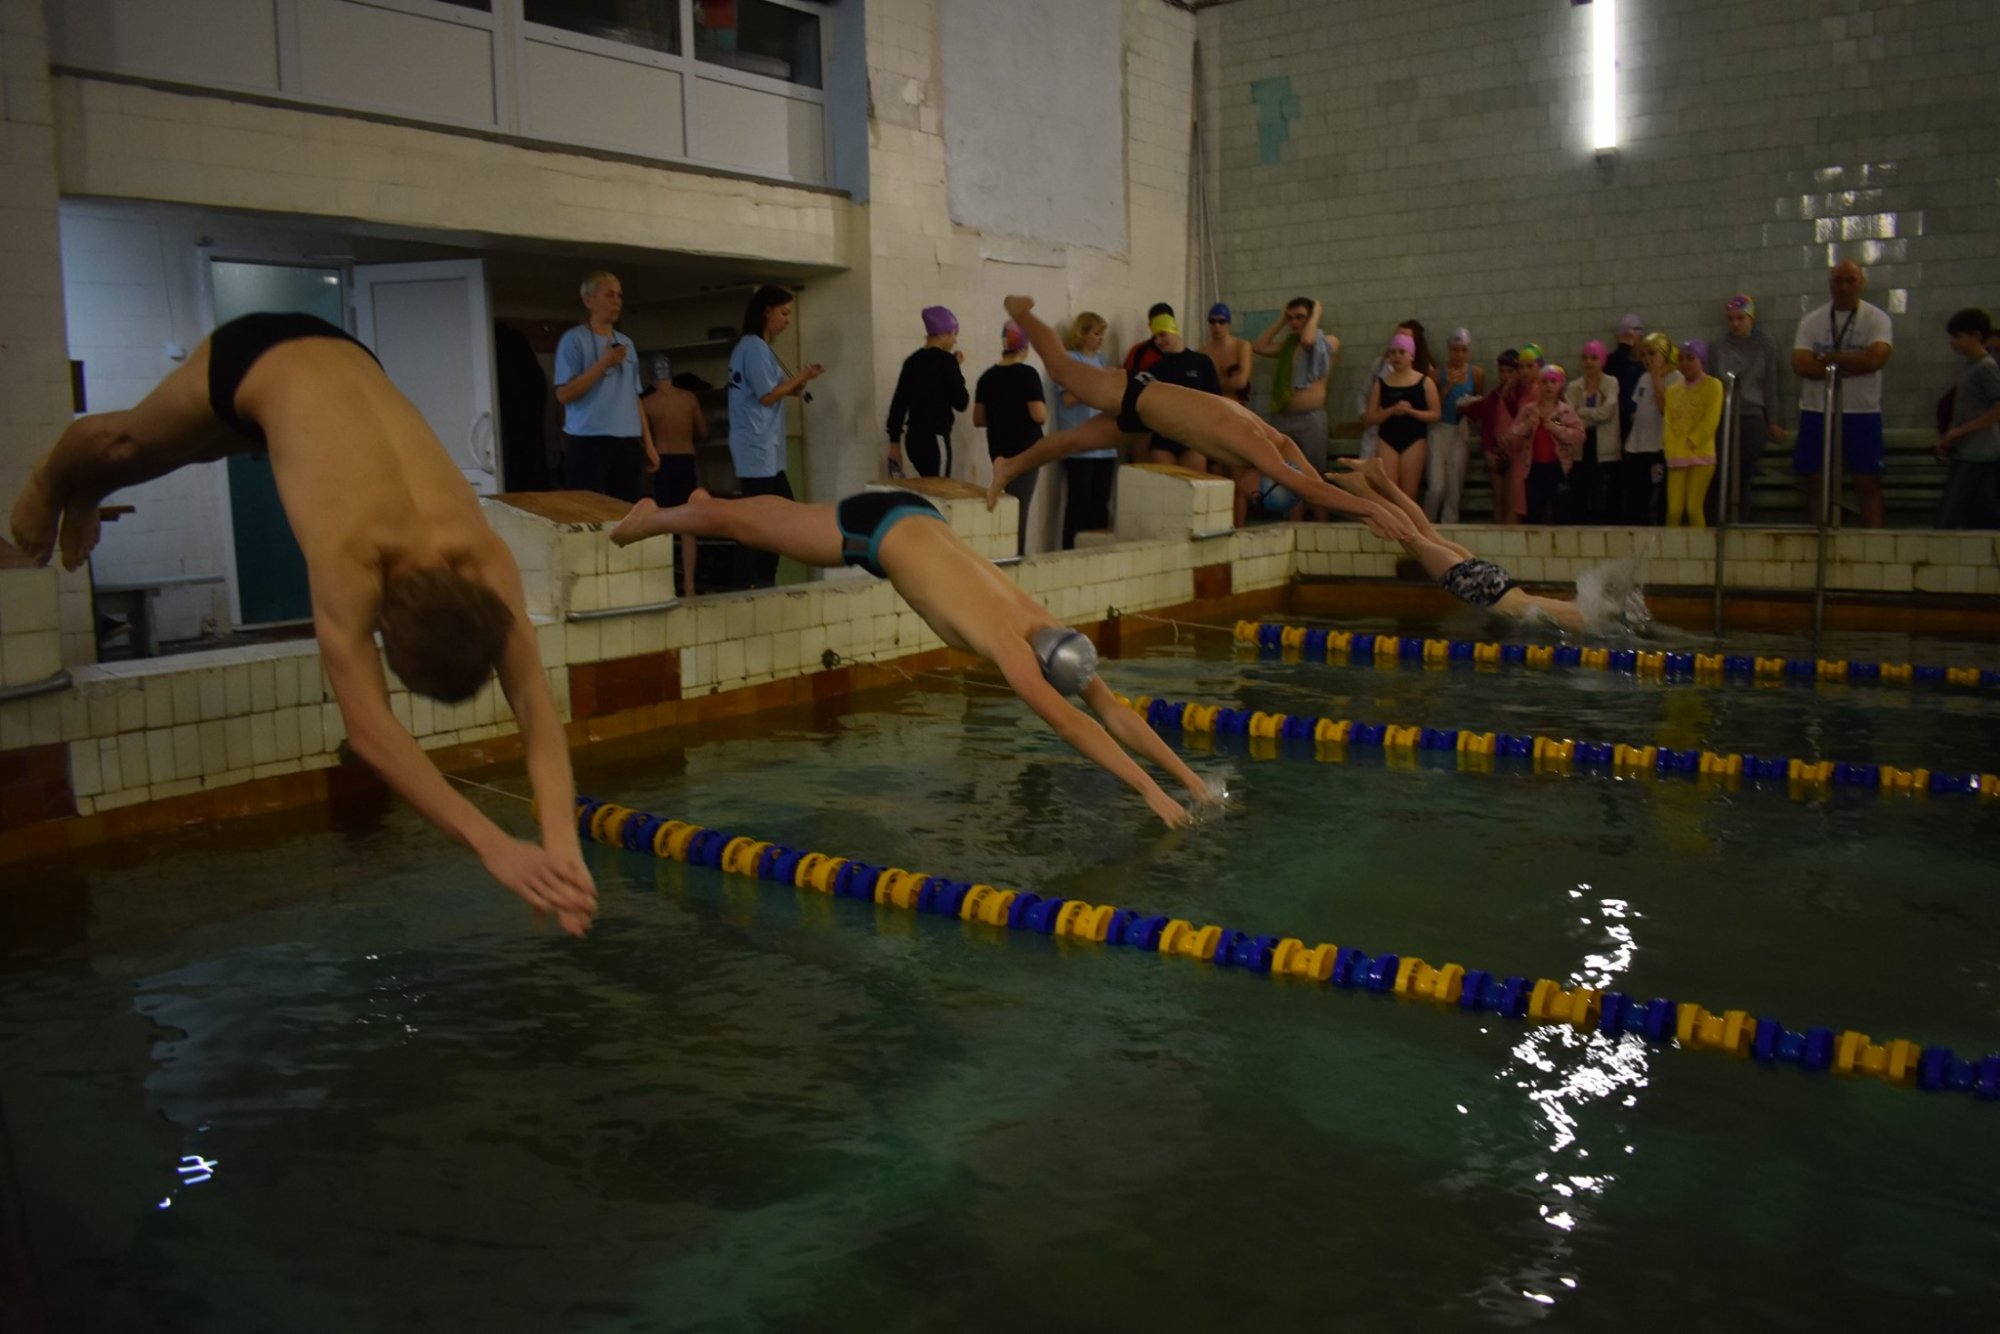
[[556, 883], [1172, 814], [1388, 524]]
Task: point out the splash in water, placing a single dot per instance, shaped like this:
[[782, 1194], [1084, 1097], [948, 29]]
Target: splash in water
[[1612, 597]]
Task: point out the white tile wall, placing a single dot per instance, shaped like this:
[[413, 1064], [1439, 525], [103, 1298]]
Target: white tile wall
[[1438, 166]]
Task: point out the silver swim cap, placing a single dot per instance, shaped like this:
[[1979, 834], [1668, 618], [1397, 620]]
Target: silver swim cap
[[1067, 656]]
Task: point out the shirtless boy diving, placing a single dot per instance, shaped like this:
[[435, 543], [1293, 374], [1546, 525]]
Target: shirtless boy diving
[[901, 537], [1219, 428], [393, 539]]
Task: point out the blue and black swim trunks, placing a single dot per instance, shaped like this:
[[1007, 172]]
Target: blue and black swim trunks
[[865, 518]]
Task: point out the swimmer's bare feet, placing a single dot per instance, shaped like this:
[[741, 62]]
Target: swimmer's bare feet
[[1018, 307], [34, 520], [634, 526], [1003, 474], [80, 529]]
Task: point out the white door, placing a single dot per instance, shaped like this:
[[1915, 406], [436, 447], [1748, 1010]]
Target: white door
[[429, 324]]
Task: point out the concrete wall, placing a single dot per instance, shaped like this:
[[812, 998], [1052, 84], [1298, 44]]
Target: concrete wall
[[1432, 159], [920, 257]]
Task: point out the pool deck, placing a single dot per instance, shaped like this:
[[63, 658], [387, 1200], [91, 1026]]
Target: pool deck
[[121, 749]]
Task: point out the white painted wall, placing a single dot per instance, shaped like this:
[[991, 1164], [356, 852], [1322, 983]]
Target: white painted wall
[[1034, 131]]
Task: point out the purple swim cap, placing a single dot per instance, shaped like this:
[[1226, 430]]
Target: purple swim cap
[[1696, 348], [1404, 341], [939, 320]]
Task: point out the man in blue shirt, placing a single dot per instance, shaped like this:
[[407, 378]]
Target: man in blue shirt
[[607, 446]]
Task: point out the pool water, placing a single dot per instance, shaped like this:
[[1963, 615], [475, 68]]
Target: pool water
[[314, 1074]]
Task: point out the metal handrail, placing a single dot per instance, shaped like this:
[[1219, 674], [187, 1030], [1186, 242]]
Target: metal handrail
[[1725, 461], [1829, 455]]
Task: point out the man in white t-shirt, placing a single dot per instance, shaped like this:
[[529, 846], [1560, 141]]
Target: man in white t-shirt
[[1855, 337]]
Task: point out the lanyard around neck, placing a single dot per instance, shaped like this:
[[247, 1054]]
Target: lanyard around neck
[[1839, 330]]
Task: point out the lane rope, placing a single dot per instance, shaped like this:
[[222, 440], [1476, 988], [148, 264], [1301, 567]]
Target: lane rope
[[1804, 778], [1659, 1021], [1362, 649]]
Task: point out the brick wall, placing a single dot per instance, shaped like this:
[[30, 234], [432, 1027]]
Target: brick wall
[[1433, 159]]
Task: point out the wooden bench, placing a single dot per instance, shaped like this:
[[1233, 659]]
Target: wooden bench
[[129, 607]]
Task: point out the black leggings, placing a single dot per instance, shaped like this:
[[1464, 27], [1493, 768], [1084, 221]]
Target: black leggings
[[1088, 506], [926, 452], [754, 568]]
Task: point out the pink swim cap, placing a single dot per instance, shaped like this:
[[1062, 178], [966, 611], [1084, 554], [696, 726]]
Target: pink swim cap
[[1404, 341], [1594, 349], [1554, 374], [1011, 337]]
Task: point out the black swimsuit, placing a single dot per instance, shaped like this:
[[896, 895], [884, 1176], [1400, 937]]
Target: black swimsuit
[[1400, 432], [866, 517], [1128, 410], [235, 347]]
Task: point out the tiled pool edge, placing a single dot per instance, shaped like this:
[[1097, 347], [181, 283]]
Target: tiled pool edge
[[142, 747]]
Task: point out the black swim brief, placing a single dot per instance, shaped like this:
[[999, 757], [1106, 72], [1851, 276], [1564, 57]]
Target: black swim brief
[[866, 517], [676, 480], [235, 347], [1477, 582], [1128, 410]]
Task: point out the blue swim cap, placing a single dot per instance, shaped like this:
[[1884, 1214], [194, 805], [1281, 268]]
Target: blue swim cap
[[1068, 658], [1274, 498]]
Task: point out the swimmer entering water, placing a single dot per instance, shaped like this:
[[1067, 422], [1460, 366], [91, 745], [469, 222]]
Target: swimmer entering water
[[1476, 582], [1213, 426], [393, 538], [901, 537]]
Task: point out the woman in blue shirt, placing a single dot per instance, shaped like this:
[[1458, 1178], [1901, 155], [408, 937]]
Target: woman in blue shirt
[[758, 388], [1087, 477]]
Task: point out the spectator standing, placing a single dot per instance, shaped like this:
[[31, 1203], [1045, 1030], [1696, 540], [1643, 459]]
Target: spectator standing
[[1141, 355], [607, 447], [758, 388], [1693, 410], [676, 421], [1747, 352], [1627, 366], [1177, 363], [1008, 405], [1303, 359], [1231, 354], [1594, 397], [1548, 433], [1493, 414], [1643, 477], [1451, 435], [1971, 443], [1087, 477], [1856, 337], [930, 391], [1402, 404]]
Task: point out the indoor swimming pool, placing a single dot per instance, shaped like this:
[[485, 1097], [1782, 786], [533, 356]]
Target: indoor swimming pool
[[315, 1073]]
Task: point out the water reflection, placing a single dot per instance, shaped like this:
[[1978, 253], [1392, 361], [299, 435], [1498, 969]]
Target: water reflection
[[1566, 1078]]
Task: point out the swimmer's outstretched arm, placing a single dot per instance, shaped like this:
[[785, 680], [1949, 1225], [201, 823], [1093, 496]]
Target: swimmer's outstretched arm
[[551, 879], [1016, 662], [1288, 466], [1129, 728]]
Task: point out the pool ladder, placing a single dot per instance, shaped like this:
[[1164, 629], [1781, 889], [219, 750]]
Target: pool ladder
[[1829, 487]]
